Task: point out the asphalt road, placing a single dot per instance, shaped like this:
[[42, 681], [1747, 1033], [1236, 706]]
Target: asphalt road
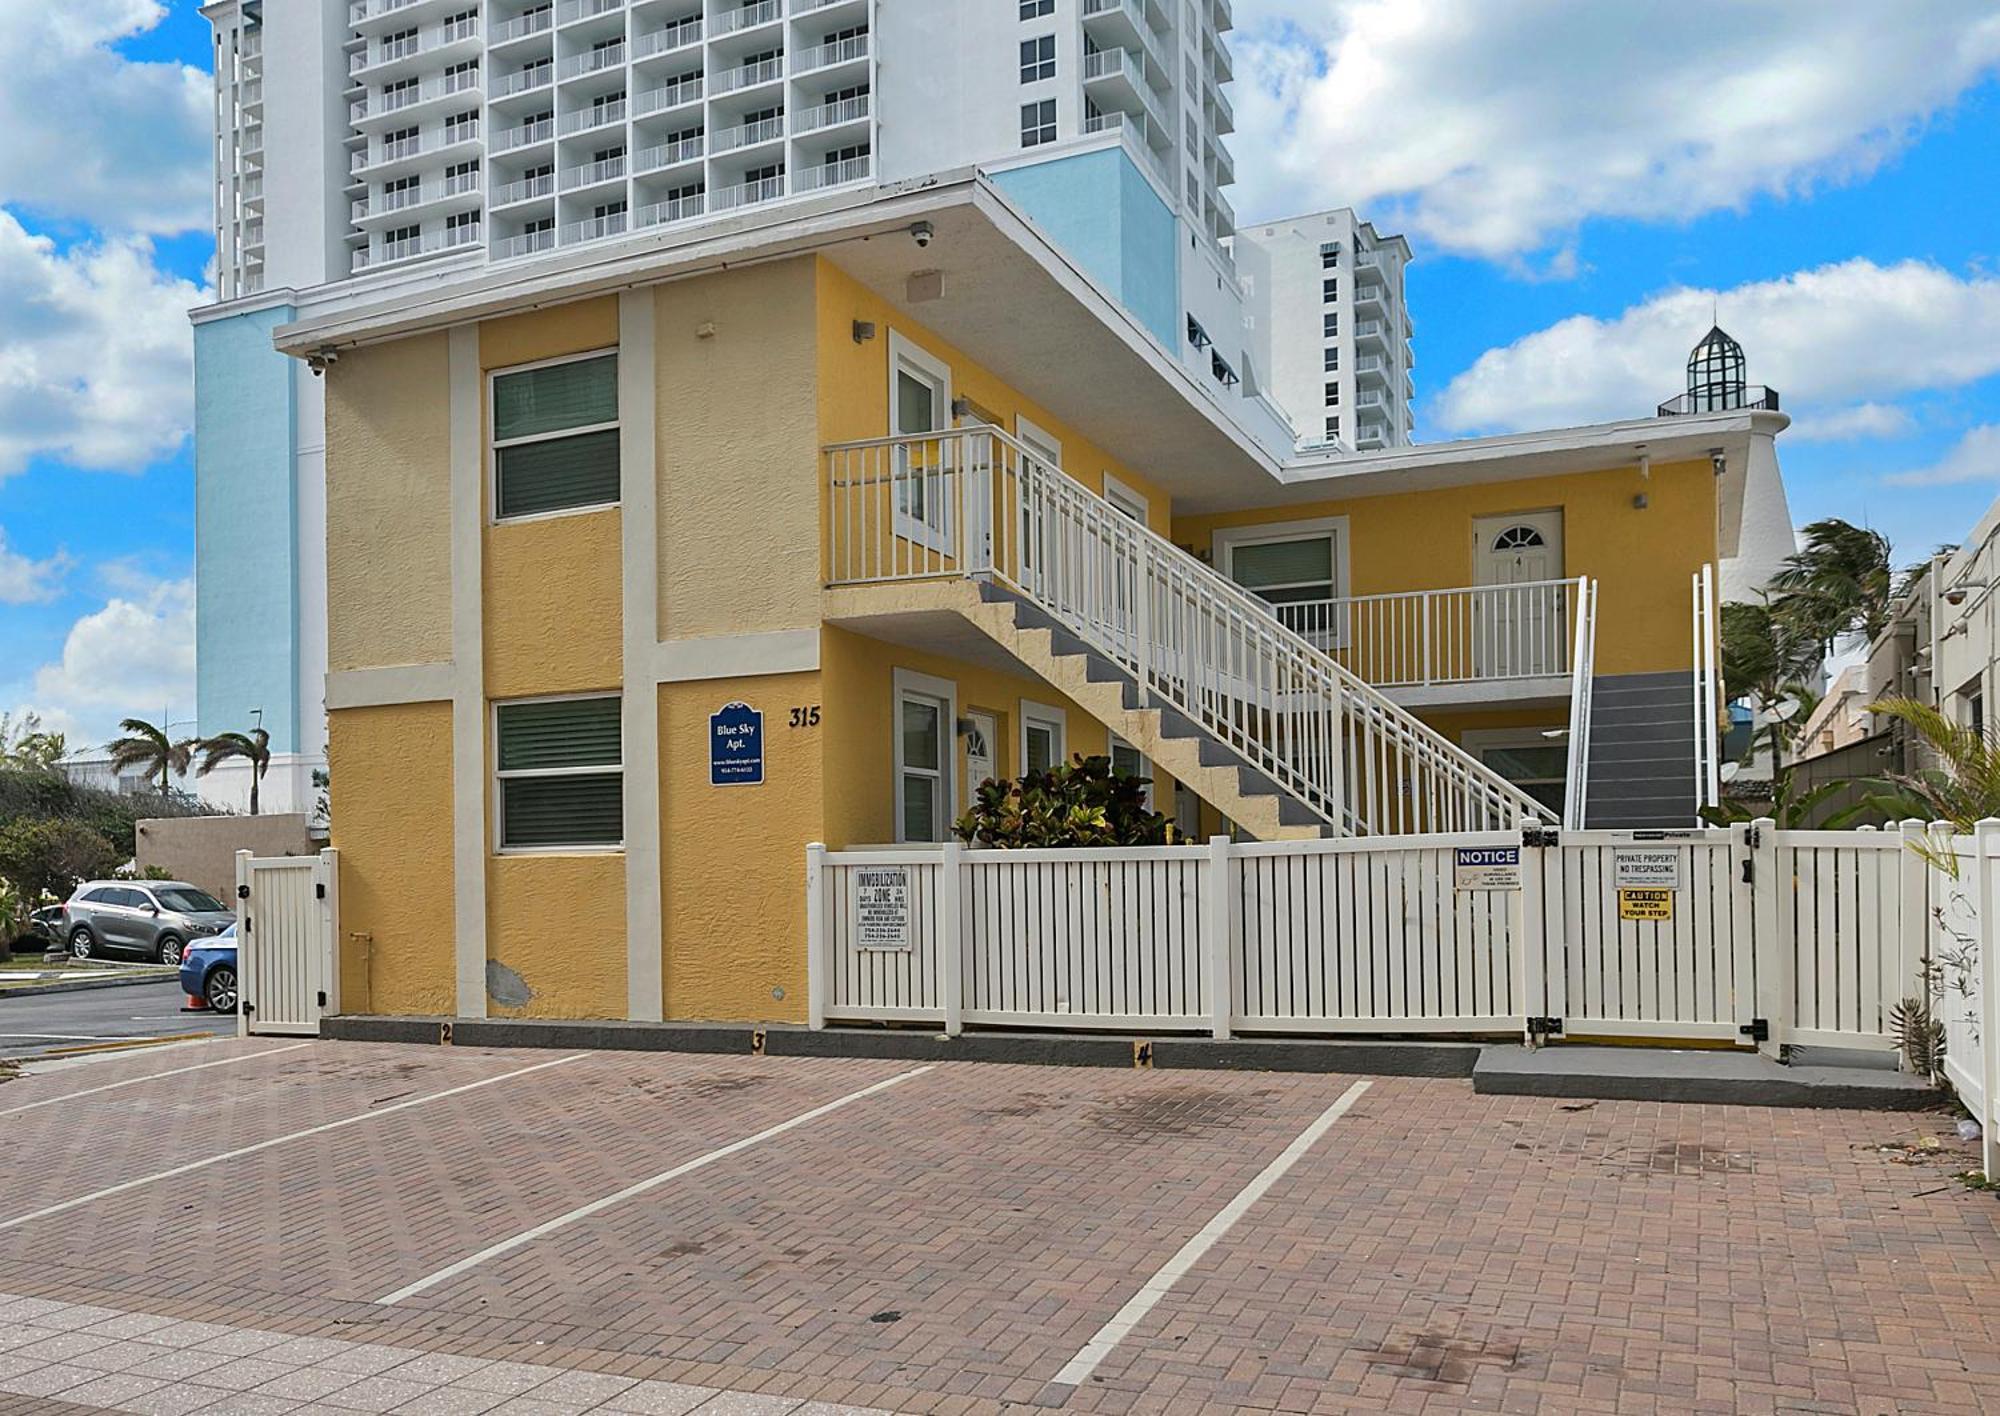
[[32, 1026]]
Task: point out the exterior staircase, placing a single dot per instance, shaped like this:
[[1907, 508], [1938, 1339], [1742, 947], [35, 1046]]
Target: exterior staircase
[[1189, 667]]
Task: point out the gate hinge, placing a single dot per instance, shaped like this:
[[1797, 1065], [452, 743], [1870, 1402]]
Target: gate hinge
[[1749, 871], [322, 998], [1539, 836], [1757, 1030], [1546, 1027], [1753, 837], [242, 892]]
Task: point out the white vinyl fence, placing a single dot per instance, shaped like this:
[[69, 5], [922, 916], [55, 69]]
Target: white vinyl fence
[[1964, 935], [287, 919], [1748, 935]]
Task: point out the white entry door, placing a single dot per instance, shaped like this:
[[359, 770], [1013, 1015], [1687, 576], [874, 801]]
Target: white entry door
[[1518, 626]]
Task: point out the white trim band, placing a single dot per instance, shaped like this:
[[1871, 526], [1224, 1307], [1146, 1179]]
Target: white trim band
[[387, 686], [779, 651]]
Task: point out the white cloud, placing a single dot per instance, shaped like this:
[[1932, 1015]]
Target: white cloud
[[96, 359], [93, 136], [1493, 127], [26, 581], [1823, 338], [1973, 458], [132, 658], [1849, 424]]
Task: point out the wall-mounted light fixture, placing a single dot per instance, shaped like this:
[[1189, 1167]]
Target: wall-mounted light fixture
[[864, 330]]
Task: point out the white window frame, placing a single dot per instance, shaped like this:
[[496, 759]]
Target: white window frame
[[1127, 500], [1477, 741], [1146, 768], [1043, 715], [496, 776], [494, 443], [905, 355], [909, 682], [1226, 541]]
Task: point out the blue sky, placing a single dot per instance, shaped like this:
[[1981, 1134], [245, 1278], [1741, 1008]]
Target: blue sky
[[1580, 186]]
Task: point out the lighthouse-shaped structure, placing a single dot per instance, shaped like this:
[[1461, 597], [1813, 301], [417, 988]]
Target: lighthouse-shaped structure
[[1718, 380]]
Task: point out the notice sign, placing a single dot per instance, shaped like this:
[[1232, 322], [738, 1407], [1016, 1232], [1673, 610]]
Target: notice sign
[[1646, 867], [1486, 868], [1641, 902], [735, 746], [882, 907]]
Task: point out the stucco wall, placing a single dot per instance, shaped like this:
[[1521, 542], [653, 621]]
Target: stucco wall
[[391, 770], [388, 554], [202, 849], [738, 452]]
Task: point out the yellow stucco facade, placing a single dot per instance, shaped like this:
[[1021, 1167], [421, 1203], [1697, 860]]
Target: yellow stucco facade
[[752, 371]]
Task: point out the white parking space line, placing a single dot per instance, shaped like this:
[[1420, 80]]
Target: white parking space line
[[154, 1077], [285, 1139], [528, 1236], [1093, 1352]]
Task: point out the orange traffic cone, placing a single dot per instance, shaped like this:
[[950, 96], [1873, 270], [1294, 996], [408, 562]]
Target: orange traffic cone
[[194, 1004]]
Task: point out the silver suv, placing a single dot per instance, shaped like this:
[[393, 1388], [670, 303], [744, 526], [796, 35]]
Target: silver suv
[[152, 918]]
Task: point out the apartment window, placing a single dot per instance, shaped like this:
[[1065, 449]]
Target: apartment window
[[1333, 425], [394, 95], [559, 774], [925, 710], [1197, 336], [459, 71], [397, 186], [1128, 761], [1329, 257], [769, 172], [461, 227], [609, 154], [1330, 324], [538, 226], [605, 107], [1038, 123], [1219, 366], [398, 234], [919, 403], [1333, 395], [609, 209], [1333, 359], [853, 153], [1329, 289], [1038, 59], [1042, 732], [1296, 568], [461, 126], [1035, 9], [555, 436]]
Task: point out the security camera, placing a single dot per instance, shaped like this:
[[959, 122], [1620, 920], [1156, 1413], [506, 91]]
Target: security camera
[[921, 232], [319, 359], [1961, 592]]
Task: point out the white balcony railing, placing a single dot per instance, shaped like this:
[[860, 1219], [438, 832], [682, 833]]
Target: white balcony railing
[[409, 247], [524, 189], [761, 189], [576, 65], [744, 16], [525, 244], [1469, 635], [764, 130], [598, 115], [671, 154], [535, 22], [684, 90], [523, 80], [763, 71], [840, 51], [595, 229], [835, 174], [674, 36], [573, 10], [610, 169], [832, 115], [673, 209], [524, 135], [975, 504]]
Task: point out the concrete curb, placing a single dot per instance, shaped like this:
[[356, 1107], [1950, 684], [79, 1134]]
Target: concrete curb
[[1365, 1058], [1694, 1077], [82, 985]]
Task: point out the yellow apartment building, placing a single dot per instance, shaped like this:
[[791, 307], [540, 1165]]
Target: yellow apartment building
[[649, 568]]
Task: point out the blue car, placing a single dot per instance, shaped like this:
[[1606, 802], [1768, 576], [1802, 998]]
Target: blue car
[[208, 971]]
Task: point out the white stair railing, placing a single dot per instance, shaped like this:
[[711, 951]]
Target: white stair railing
[[975, 503], [1576, 798], [1707, 694]]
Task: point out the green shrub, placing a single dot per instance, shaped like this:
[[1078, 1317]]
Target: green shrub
[[1079, 803], [48, 858]]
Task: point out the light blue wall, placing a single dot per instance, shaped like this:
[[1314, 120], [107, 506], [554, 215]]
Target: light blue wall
[[246, 529], [1108, 219]]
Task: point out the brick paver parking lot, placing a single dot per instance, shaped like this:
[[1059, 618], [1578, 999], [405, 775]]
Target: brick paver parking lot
[[868, 1234]]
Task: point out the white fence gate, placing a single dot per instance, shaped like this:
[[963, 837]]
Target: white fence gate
[[1749, 935], [1963, 940], [287, 919]]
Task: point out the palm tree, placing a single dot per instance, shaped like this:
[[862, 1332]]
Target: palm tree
[[1840, 582], [147, 746], [253, 747], [1964, 788]]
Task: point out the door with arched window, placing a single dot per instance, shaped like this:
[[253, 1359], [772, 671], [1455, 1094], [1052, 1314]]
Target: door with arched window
[[1520, 626]]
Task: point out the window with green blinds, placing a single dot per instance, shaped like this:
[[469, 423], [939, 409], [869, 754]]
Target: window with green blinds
[[561, 781], [555, 437]]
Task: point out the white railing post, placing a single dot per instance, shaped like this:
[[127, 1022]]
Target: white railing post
[[816, 970], [1531, 937], [1986, 845], [246, 946], [1774, 952], [1142, 614], [950, 926], [1426, 612], [328, 877], [1913, 923], [1216, 934]]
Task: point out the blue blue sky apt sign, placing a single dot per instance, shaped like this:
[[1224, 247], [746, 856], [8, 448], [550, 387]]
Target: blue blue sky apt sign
[[735, 746]]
